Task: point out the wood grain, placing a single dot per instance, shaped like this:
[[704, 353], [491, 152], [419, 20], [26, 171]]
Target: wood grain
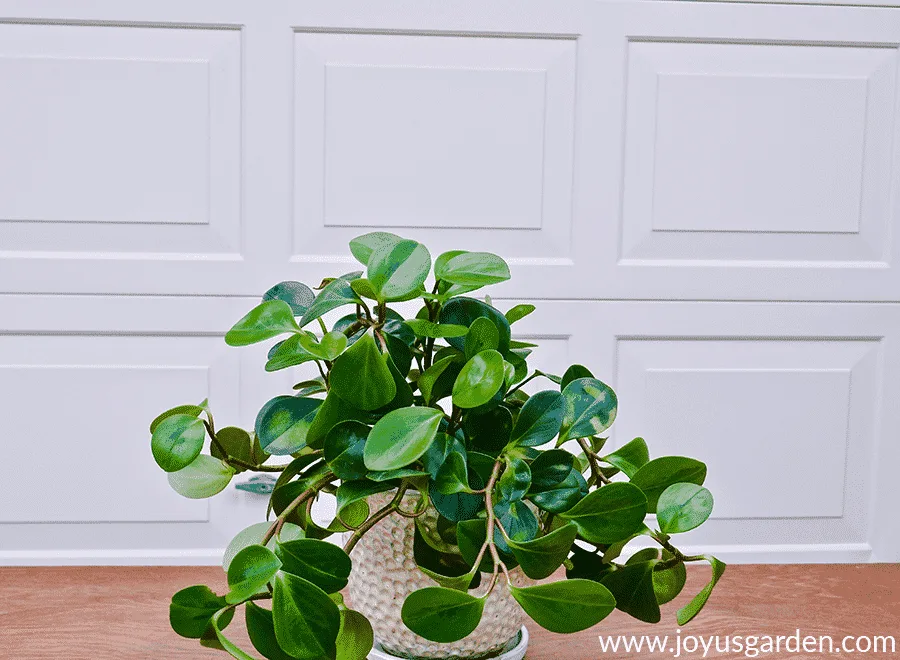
[[121, 613]]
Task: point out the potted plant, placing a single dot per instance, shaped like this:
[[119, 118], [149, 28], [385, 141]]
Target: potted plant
[[454, 490]]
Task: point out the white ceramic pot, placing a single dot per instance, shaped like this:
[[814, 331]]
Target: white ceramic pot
[[385, 573]]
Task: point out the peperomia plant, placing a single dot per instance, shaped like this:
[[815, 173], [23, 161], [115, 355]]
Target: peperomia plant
[[431, 411]]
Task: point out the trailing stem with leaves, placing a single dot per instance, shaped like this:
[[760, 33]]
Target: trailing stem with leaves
[[431, 411]]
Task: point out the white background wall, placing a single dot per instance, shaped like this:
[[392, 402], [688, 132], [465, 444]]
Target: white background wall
[[701, 196]]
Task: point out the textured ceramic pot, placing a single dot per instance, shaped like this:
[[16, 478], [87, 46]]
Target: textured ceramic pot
[[385, 573]]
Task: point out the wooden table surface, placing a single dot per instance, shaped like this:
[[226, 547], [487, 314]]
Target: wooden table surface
[[121, 613]]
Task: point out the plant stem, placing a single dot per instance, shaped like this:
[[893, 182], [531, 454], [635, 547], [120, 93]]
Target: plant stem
[[312, 491], [492, 521], [375, 518], [599, 477]]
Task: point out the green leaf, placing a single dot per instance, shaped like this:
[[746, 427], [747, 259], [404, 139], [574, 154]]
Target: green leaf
[[424, 328], [333, 410], [261, 629], [288, 353], [362, 246], [401, 437], [470, 536], [325, 565], [355, 638], [590, 408], [463, 311], [361, 375], [488, 431], [344, 449], [307, 621], [177, 441], [204, 477], [249, 572], [556, 485], [237, 443], [540, 419], [693, 608], [399, 473], [566, 606], [515, 480], [283, 424], [296, 294], [266, 320], [519, 312], [632, 585], [253, 535], [329, 347], [668, 583], [193, 411], [683, 507], [397, 269], [218, 623], [459, 506], [483, 335], [452, 477], [441, 615], [610, 513], [351, 493], [429, 377], [480, 379], [630, 458], [660, 473], [472, 269], [192, 608], [518, 520], [335, 294], [574, 372], [363, 288], [540, 557]]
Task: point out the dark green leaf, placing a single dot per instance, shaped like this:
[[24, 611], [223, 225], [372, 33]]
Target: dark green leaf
[[332, 411], [566, 606], [441, 615], [590, 408], [430, 376], [192, 608], [344, 449], [452, 477], [401, 437], [480, 379], [349, 493], [482, 335], [683, 507], [335, 294], [515, 480], [632, 585], [399, 473], [261, 629], [660, 473], [249, 572], [204, 477], [236, 442], [693, 608], [460, 506], [362, 377], [668, 583], [519, 312], [630, 458], [320, 562], [470, 536], [463, 311], [556, 485], [177, 441], [518, 520], [610, 513], [283, 424], [296, 294], [540, 419], [574, 372], [266, 320], [355, 638], [488, 431], [540, 557], [306, 620]]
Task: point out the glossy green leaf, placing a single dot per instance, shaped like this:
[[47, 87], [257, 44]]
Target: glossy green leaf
[[333, 410], [249, 572], [574, 372], [215, 638], [630, 458], [204, 477], [473, 269], [363, 288], [283, 424], [683, 507], [424, 328], [399, 473], [397, 269], [430, 376], [463, 311], [488, 431], [403, 398], [660, 473], [362, 246], [519, 312], [556, 485], [693, 608], [344, 449], [482, 335], [515, 480], [296, 294], [192, 410], [566, 606], [632, 586], [355, 638], [349, 493], [480, 379], [329, 347], [437, 452], [459, 506], [452, 477], [336, 293], [307, 621], [266, 320], [518, 520], [470, 537], [441, 615], [540, 557], [325, 565], [540, 419], [590, 408], [237, 443], [261, 630], [253, 535], [288, 353], [361, 375], [177, 441], [401, 437], [668, 583], [191, 610], [610, 513]]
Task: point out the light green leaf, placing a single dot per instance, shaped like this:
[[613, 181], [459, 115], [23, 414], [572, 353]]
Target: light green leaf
[[288, 353], [352, 493], [472, 269], [660, 473], [630, 458], [329, 347], [540, 557], [519, 312], [452, 477], [566, 606], [332, 411], [668, 583], [610, 513], [344, 449], [424, 328], [177, 441], [480, 379], [540, 419], [306, 620], [193, 411], [204, 477], [515, 480], [590, 408], [441, 615], [483, 335], [463, 311], [219, 621], [362, 246], [253, 535], [396, 270], [401, 437], [335, 294], [249, 572], [296, 294], [361, 375], [283, 424], [683, 507], [429, 377], [693, 608], [355, 638], [266, 320]]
